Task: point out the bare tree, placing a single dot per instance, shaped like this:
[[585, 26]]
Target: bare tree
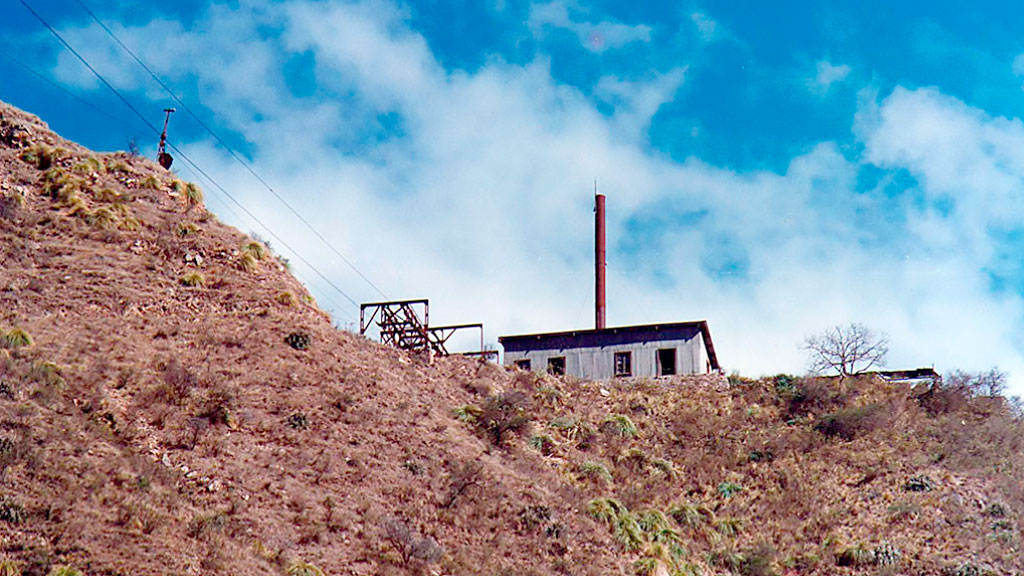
[[849, 350]]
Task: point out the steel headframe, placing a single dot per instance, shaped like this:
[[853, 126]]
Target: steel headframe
[[405, 324]]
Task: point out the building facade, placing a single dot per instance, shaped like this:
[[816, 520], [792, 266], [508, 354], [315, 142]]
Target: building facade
[[629, 351]]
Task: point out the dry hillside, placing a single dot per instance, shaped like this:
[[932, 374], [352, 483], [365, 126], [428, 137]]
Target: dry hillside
[[173, 402]]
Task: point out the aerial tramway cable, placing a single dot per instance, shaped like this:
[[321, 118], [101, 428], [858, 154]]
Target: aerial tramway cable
[[230, 150], [184, 156]]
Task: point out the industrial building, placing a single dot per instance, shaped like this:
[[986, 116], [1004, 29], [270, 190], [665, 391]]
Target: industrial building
[[604, 353], [645, 351]]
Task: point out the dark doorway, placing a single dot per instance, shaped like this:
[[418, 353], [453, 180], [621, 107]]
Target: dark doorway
[[666, 362]]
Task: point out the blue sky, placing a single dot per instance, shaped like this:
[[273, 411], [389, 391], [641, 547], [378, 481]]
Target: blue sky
[[775, 168]]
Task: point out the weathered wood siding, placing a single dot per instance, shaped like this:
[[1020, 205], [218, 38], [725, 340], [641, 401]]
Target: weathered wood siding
[[598, 362]]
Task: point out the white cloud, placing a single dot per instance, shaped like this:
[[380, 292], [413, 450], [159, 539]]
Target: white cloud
[[707, 27], [826, 76], [483, 203], [594, 36], [636, 103]]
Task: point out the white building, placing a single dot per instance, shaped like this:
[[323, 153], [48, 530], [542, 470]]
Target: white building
[[650, 350]]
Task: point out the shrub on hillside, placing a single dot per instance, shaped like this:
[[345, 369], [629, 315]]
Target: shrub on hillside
[[408, 544], [848, 423], [955, 392], [11, 512], [805, 396], [298, 340], [504, 414], [463, 476], [178, 382]]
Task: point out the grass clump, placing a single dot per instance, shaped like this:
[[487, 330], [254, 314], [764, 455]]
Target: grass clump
[[302, 568], [596, 471], [193, 194], [624, 525], [192, 280], [467, 413], [542, 443], [691, 516], [42, 156], [573, 428], [286, 299], [9, 567], [103, 219], [247, 263], [16, 338], [89, 164], [256, 249], [620, 424], [186, 229], [151, 182], [64, 570], [729, 489]]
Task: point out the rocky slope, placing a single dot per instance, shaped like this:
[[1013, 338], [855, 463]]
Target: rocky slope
[[173, 402]]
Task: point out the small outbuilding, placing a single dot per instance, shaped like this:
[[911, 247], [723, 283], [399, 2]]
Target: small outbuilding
[[645, 351]]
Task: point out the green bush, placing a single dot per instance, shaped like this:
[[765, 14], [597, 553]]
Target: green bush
[[624, 525]]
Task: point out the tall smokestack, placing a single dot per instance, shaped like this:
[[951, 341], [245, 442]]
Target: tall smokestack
[[599, 259]]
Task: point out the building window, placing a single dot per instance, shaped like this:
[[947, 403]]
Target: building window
[[556, 366], [523, 365], [666, 362], [623, 363]]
